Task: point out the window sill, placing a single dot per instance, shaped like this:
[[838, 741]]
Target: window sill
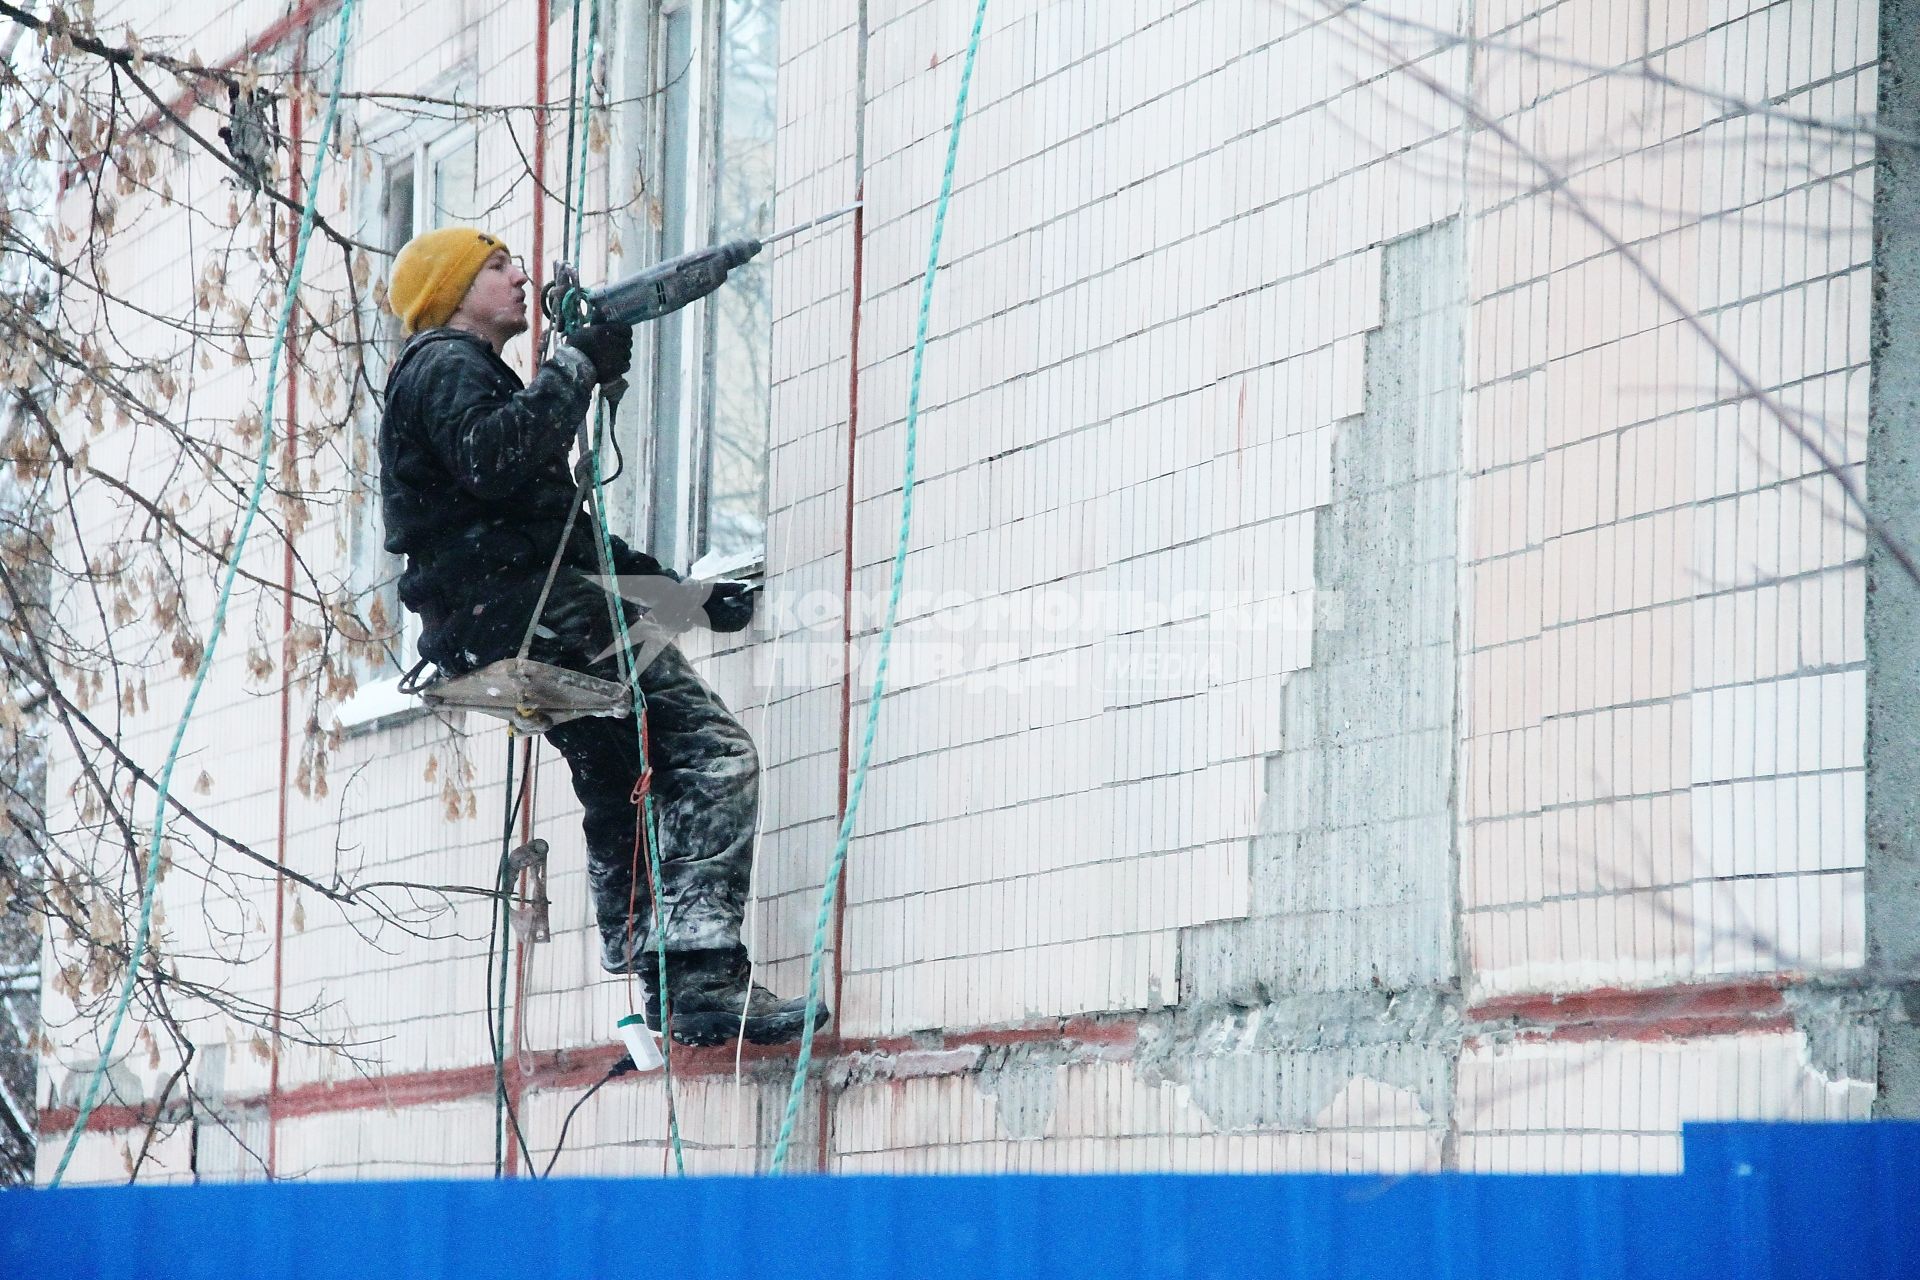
[[379, 705], [738, 566]]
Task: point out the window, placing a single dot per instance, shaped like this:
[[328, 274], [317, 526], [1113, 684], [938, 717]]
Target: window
[[373, 572], [414, 187], [453, 197], [699, 83], [396, 227], [732, 507]]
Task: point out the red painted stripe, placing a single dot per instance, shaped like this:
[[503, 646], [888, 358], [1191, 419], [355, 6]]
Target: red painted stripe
[[824, 1127], [1750, 1006], [577, 1068], [105, 1119], [1656, 1012], [412, 1089]]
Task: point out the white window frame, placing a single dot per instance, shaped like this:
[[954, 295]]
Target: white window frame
[[413, 149], [666, 510]]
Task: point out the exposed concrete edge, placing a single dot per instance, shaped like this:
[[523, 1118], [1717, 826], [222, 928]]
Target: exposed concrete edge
[[908, 1064], [1893, 602]]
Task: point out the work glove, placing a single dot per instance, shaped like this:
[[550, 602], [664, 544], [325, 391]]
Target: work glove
[[609, 346], [729, 605]]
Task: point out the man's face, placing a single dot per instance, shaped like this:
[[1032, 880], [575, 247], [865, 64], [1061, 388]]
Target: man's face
[[496, 303]]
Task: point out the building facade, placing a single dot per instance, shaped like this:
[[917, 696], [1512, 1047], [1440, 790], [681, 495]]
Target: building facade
[[1379, 684]]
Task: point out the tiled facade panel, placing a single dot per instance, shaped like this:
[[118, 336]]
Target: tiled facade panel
[[1335, 577], [1619, 1105], [797, 666], [1664, 685], [1132, 399], [108, 1157], [450, 1140], [1112, 1117], [1544, 1107], [726, 1126]]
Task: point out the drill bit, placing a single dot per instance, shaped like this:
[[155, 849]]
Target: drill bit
[[811, 222]]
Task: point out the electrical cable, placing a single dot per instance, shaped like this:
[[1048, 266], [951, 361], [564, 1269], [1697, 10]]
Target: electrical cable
[[619, 455], [573, 229], [493, 946], [572, 232], [499, 938], [576, 216], [164, 784], [630, 673], [500, 946], [830, 889], [624, 1066]]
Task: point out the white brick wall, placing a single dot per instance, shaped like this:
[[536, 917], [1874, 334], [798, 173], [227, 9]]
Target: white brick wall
[[1156, 351]]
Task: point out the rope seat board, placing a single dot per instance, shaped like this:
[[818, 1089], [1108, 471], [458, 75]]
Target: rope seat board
[[531, 696]]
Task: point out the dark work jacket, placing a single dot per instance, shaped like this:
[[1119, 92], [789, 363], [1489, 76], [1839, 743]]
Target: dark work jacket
[[474, 482]]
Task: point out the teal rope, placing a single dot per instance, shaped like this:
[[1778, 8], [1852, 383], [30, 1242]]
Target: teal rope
[[147, 888], [831, 889], [573, 98], [619, 618], [577, 214], [654, 877]]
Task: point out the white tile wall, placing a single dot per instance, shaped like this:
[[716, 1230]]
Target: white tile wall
[[1163, 261]]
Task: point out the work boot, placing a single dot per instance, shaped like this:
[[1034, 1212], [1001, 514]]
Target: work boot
[[710, 993]]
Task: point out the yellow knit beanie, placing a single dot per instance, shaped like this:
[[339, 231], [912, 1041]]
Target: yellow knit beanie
[[431, 275]]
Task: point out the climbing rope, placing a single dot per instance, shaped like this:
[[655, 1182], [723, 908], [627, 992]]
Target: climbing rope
[[574, 215], [643, 795], [830, 890], [572, 237], [164, 788], [573, 106], [630, 675]]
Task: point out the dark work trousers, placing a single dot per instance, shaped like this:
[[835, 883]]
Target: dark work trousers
[[706, 775]]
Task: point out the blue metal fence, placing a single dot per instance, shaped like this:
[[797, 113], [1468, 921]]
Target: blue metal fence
[[1813, 1200]]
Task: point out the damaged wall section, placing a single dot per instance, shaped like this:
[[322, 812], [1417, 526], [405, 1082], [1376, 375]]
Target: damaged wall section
[[1353, 877]]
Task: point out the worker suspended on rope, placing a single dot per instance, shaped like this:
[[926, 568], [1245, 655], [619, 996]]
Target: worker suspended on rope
[[477, 495]]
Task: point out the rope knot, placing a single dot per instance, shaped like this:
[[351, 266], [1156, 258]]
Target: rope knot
[[642, 786]]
